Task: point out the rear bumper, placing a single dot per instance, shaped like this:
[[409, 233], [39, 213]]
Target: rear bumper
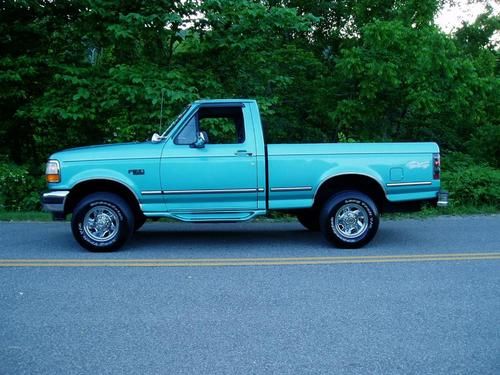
[[442, 199], [54, 201]]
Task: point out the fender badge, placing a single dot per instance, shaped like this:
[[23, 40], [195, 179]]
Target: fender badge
[[136, 172]]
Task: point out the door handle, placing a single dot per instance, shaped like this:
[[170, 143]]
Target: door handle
[[243, 153]]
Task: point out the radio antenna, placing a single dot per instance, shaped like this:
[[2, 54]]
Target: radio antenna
[[161, 112]]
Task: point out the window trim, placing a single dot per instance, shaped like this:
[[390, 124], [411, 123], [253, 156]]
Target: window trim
[[197, 121], [186, 123]]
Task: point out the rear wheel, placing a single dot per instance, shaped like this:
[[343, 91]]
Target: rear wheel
[[310, 220], [349, 219], [102, 222]]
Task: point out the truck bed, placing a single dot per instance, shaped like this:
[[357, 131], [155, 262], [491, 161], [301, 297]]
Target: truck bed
[[403, 170]]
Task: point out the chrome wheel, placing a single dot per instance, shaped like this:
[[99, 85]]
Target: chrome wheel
[[101, 223], [351, 220]]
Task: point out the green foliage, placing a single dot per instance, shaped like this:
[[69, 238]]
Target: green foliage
[[95, 71], [18, 190], [470, 183], [405, 83], [485, 144], [25, 216]]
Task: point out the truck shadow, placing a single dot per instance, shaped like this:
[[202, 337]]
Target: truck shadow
[[217, 237], [251, 238]]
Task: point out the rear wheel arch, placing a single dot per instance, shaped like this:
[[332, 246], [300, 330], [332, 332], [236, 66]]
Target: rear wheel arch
[[353, 182]]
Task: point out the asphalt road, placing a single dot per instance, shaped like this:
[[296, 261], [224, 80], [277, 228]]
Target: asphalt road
[[255, 298]]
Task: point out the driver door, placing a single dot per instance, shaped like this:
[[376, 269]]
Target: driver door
[[218, 173]]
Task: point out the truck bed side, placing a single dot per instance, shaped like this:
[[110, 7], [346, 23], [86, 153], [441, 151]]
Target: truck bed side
[[403, 171]]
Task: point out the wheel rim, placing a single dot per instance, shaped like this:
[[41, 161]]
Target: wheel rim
[[101, 223], [351, 220]]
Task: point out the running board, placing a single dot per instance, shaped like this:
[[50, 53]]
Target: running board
[[208, 216]]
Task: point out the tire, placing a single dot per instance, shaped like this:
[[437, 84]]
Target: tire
[[115, 227], [349, 219], [310, 220]]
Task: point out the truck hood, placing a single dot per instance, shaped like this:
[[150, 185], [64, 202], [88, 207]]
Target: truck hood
[[116, 151]]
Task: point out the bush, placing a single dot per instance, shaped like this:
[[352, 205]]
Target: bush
[[18, 190], [470, 183], [485, 144]]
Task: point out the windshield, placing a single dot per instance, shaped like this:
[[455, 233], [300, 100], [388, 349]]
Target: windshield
[[172, 125]]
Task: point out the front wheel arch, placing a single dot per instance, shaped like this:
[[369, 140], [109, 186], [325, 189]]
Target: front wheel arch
[[85, 188]]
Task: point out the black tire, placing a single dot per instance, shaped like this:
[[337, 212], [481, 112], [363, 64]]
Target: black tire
[[357, 228], [310, 220], [116, 222], [139, 222]]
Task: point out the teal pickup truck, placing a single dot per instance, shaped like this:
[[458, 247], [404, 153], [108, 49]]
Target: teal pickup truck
[[213, 165]]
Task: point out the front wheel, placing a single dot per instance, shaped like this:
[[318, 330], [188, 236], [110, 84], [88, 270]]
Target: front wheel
[[349, 219], [102, 222]]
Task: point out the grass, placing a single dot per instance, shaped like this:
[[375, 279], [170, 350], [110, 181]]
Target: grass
[[25, 216], [426, 212]]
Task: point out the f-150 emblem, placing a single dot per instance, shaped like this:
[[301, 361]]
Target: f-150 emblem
[[136, 172]]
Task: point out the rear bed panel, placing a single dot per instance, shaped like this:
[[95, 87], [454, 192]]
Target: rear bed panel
[[403, 170]]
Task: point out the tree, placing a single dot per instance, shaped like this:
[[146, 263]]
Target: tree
[[91, 71]]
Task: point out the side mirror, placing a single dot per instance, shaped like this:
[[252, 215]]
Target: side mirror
[[201, 140], [156, 138]]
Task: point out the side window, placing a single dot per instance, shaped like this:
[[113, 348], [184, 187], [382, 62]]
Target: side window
[[188, 134], [222, 125], [222, 130]]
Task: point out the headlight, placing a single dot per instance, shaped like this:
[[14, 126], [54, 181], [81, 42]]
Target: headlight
[[53, 171]]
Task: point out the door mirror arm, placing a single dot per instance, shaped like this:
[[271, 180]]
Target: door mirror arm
[[201, 140]]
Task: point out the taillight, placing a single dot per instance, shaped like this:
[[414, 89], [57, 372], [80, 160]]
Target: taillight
[[436, 166]]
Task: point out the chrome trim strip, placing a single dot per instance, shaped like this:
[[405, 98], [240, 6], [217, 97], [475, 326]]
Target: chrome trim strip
[[410, 184], [296, 188], [114, 159], [209, 191], [201, 191], [151, 192]]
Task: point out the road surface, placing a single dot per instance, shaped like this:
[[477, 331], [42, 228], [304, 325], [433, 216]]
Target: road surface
[[255, 298]]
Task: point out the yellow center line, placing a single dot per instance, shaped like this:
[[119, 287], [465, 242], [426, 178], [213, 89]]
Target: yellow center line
[[219, 262], [265, 259]]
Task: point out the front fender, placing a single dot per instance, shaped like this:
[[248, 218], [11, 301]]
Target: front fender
[[104, 174]]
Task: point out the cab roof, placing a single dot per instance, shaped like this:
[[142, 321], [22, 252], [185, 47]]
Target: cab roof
[[221, 101]]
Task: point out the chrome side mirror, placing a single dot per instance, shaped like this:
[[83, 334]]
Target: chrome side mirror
[[156, 138], [201, 140]]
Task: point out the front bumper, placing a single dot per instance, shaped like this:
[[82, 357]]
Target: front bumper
[[442, 200], [54, 201]]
